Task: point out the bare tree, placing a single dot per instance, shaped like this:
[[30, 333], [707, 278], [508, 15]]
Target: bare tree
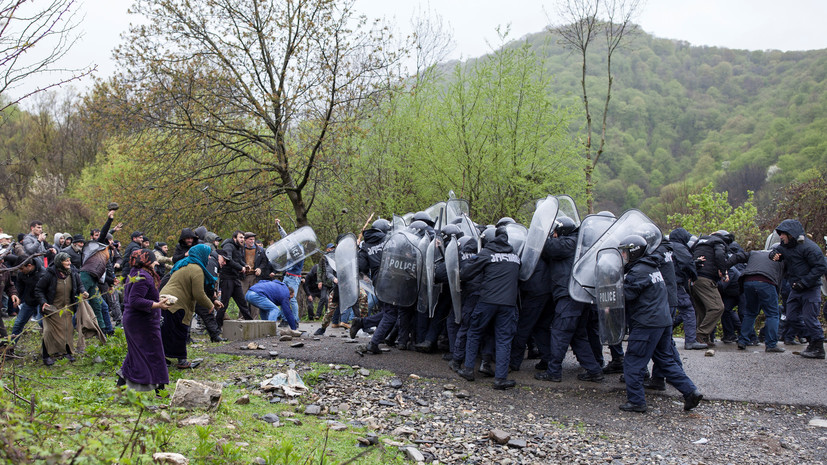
[[584, 22], [34, 35], [253, 95]]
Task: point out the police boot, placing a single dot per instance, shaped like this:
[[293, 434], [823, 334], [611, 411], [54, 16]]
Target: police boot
[[655, 384], [425, 347], [615, 366], [373, 348], [815, 349], [355, 326], [486, 369]]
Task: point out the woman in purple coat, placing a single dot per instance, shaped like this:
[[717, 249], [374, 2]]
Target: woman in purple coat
[[145, 367]]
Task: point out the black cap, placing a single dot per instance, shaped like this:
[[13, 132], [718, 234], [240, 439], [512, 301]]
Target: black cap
[[78, 238], [136, 234], [224, 254]]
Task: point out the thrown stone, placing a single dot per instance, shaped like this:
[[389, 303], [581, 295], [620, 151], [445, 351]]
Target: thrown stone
[[271, 418], [450, 387], [200, 420], [297, 344], [243, 400], [414, 454], [517, 443], [710, 353], [169, 458], [192, 394], [462, 394], [821, 423], [285, 338], [395, 383], [499, 436], [413, 376]]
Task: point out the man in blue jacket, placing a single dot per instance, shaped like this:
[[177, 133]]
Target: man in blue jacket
[[804, 265], [500, 270], [650, 323]]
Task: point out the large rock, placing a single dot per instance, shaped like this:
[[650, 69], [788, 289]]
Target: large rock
[[245, 330], [499, 436], [191, 394], [170, 458]]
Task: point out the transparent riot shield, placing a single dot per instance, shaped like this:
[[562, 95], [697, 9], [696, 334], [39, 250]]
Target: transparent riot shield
[[433, 289], [541, 223], [772, 239], [422, 297], [437, 212], [293, 248], [611, 309], [407, 218], [347, 271], [398, 224], [452, 268], [468, 229], [399, 272], [592, 227], [630, 222], [517, 234], [455, 208], [568, 208]]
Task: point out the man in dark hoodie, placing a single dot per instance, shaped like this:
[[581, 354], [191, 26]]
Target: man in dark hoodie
[[650, 327], [186, 240], [685, 275], [136, 244], [500, 270], [804, 265]]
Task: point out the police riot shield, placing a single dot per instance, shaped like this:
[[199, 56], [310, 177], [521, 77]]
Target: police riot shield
[[407, 218], [398, 224], [347, 271], [437, 212], [772, 239], [568, 208], [611, 310], [423, 301], [455, 208], [452, 268], [398, 279], [469, 230], [631, 222], [517, 234], [541, 223], [433, 288], [293, 248], [592, 227]]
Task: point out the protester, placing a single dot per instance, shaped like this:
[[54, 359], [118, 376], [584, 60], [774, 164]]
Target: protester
[[57, 292]]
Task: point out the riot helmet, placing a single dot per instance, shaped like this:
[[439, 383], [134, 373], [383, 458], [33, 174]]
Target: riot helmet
[[634, 246], [606, 213], [424, 217], [727, 236], [488, 234], [505, 221], [382, 225], [451, 230], [464, 240], [564, 226], [418, 227]]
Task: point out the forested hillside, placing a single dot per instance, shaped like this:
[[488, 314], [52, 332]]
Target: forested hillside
[[683, 116]]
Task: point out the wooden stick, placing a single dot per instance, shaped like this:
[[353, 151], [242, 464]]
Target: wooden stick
[[359, 239]]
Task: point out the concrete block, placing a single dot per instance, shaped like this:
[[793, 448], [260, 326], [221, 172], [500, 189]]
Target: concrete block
[[245, 330]]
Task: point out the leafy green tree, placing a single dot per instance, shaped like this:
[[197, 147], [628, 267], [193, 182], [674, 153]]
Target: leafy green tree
[[711, 211]]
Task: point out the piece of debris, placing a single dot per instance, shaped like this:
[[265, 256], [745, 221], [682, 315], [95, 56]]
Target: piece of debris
[[192, 394], [710, 353], [289, 384], [243, 400], [169, 458], [701, 441], [200, 420], [499, 436]]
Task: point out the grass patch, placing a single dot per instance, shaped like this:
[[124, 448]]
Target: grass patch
[[73, 413]]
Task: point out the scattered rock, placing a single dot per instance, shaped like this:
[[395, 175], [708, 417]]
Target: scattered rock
[[364, 372], [200, 420], [243, 400], [403, 431], [169, 458], [274, 354], [285, 338], [164, 417], [499, 436], [821, 423], [294, 421], [191, 394], [395, 383], [517, 443], [710, 353], [701, 441], [98, 359], [271, 418], [387, 403], [414, 454], [462, 394], [450, 387], [413, 376], [297, 344], [312, 410], [336, 426]]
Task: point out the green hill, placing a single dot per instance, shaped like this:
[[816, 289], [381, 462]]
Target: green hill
[[682, 116]]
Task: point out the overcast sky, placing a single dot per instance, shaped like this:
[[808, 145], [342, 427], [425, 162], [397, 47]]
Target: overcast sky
[[741, 24]]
